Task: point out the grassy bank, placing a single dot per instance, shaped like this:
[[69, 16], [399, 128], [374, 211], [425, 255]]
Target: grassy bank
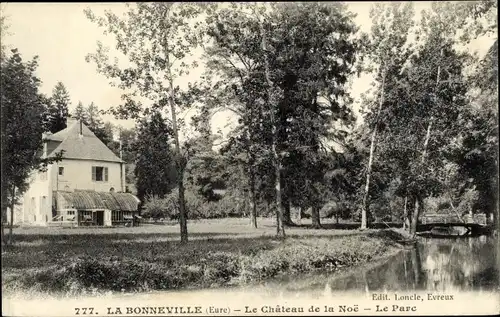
[[221, 253]]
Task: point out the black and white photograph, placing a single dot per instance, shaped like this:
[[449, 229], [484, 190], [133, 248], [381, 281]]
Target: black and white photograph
[[249, 158]]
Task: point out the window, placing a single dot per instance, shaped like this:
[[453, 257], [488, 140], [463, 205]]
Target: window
[[99, 174], [116, 215], [70, 215], [85, 215], [61, 171], [127, 215]]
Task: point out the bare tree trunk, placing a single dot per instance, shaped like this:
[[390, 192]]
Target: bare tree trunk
[[253, 204], [180, 164], [370, 159], [405, 214], [280, 230], [454, 209], [316, 221], [5, 194], [12, 205], [417, 209], [424, 153], [179, 160], [4, 220], [414, 220], [287, 217], [367, 184]]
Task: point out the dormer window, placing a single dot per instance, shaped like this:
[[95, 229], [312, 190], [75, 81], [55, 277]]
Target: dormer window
[[99, 174]]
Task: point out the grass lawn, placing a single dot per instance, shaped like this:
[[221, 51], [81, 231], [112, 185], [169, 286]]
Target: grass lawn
[[220, 253]]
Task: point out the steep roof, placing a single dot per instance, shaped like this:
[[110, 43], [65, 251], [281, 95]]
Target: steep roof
[[78, 142]]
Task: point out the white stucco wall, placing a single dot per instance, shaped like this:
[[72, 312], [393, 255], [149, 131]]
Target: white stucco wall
[[78, 175], [37, 201]]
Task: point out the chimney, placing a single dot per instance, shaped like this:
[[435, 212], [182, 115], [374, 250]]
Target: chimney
[[45, 135]]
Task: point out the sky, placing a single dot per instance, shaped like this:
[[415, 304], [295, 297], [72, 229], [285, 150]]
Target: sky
[[61, 35]]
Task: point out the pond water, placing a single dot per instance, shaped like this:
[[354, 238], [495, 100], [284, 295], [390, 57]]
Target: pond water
[[433, 265], [452, 264]]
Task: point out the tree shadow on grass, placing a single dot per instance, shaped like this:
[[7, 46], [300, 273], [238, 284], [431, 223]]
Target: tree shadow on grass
[[155, 248], [88, 237], [62, 249], [349, 226]]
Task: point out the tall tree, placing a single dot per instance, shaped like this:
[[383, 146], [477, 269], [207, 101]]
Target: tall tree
[[22, 127], [388, 50], [280, 78], [91, 117], [206, 170], [156, 38], [233, 57], [271, 100], [430, 96], [127, 137], [154, 172], [80, 113], [477, 154], [104, 131], [58, 109], [312, 66]]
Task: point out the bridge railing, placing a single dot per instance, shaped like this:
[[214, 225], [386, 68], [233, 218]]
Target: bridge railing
[[449, 218]]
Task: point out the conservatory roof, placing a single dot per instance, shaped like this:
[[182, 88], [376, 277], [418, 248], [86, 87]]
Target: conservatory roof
[[88, 199]]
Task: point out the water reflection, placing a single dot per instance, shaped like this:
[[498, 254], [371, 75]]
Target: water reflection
[[438, 265], [462, 264], [434, 265]]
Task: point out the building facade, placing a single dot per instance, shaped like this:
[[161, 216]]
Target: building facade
[[87, 187]]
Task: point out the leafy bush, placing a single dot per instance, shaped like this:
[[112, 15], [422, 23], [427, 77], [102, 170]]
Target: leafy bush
[[156, 207], [199, 208], [467, 200], [437, 204]]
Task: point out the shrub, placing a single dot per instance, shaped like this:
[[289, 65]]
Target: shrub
[[467, 200], [437, 204], [156, 207]]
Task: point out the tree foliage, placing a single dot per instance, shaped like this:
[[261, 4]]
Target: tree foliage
[[22, 127], [156, 39], [304, 67], [154, 161], [58, 106]]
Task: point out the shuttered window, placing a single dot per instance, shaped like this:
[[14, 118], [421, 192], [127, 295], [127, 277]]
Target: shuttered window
[[99, 174]]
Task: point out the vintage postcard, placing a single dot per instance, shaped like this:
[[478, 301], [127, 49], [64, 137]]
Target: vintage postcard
[[249, 158]]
